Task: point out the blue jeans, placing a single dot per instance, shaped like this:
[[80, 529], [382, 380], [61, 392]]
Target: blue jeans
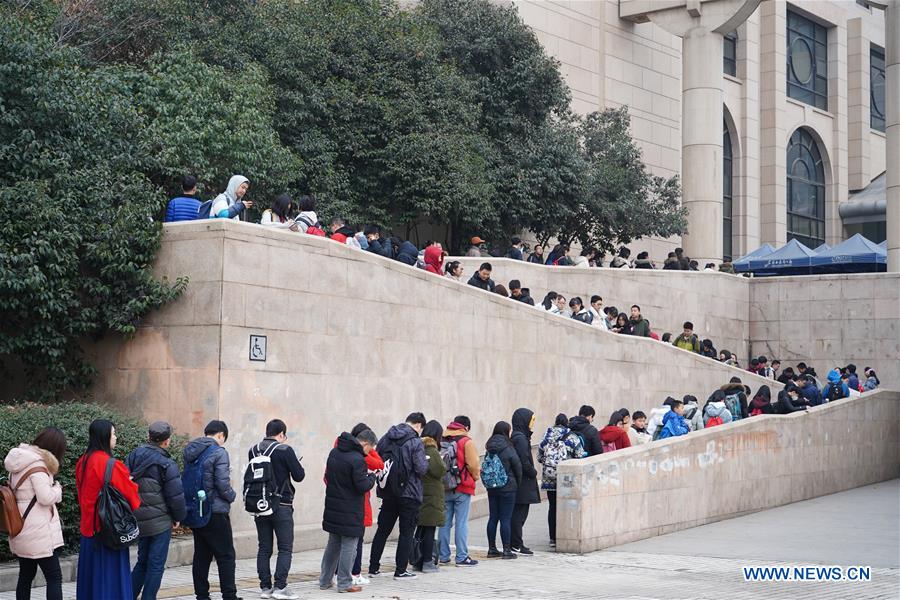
[[457, 504], [501, 505], [151, 563]]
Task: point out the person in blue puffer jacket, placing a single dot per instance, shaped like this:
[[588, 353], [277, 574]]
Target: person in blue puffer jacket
[[809, 391], [673, 423], [186, 206]]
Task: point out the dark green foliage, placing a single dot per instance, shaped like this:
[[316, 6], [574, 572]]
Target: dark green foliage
[[21, 423], [448, 113]]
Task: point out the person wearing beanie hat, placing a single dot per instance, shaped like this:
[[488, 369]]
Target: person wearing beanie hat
[[162, 505]]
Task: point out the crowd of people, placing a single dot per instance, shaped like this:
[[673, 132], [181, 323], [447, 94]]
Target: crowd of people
[[424, 473]]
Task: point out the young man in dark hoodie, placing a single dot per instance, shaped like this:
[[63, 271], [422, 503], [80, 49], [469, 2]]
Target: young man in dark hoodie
[[527, 493], [401, 442], [347, 481], [482, 278], [581, 425], [162, 503], [285, 467], [516, 292]]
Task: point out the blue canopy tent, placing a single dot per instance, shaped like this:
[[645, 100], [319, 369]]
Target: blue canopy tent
[[743, 263], [791, 259], [883, 245], [855, 255], [821, 248]]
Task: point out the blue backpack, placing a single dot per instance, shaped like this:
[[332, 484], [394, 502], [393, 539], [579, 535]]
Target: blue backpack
[[493, 475], [198, 500], [204, 210]]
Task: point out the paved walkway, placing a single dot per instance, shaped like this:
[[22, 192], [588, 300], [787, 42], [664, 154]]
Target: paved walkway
[[859, 527]]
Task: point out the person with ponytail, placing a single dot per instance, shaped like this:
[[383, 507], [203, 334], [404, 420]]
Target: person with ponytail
[[102, 572]]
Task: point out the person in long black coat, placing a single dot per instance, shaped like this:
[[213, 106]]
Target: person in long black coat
[[527, 492], [346, 482]]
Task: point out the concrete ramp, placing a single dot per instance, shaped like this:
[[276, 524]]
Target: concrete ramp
[[728, 471]]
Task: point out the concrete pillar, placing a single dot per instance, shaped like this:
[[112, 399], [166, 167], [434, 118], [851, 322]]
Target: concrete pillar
[[701, 143], [892, 130]]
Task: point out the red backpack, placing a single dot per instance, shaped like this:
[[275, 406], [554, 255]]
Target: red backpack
[[713, 421], [313, 228]]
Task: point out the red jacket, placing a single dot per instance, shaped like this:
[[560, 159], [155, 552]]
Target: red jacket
[[434, 260], [89, 482], [339, 237], [613, 434], [373, 463]]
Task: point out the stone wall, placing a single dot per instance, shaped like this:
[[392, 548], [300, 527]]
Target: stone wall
[[829, 321], [727, 471], [354, 337]]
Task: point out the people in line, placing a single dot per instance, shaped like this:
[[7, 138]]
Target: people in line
[[186, 206], [32, 472], [872, 381], [527, 491], [615, 435], [400, 491], [162, 507], [517, 293], [501, 474], [623, 325], [207, 469], [549, 301], [687, 339], [582, 425], [790, 401], [515, 249], [639, 325], [693, 415], [307, 217], [637, 433], [656, 416], [230, 203], [280, 215], [431, 516], [579, 312], [643, 261], [736, 398], [537, 255], [596, 310], [457, 500], [836, 388], [279, 525], [454, 271], [476, 245], [374, 466], [103, 572], [347, 482], [559, 444], [500, 290], [762, 402], [482, 278], [673, 423], [714, 411], [621, 259]]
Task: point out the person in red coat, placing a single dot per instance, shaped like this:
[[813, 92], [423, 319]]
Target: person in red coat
[[434, 259], [102, 572], [374, 464], [615, 435]]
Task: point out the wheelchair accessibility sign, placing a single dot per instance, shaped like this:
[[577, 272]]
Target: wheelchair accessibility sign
[[258, 348]]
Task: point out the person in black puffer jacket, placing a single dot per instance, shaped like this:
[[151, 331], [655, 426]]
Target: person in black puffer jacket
[[346, 482], [527, 492], [407, 253], [502, 500], [590, 437], [162, 504]]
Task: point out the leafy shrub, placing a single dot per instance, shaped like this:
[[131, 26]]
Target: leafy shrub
[[21, 423]]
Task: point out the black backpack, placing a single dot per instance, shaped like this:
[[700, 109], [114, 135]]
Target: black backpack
[[394, 478], [835, 392], [261, 494], [114, 523]]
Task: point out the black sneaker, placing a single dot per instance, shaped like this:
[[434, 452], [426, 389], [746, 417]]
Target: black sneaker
[[525, 550], [374, 573], [467, 562], [405, 575], [494, 553], [553, 543], [444, 562]]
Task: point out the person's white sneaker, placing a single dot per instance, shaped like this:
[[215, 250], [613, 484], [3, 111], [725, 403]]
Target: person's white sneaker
[[284, 594], [266, 593], [360, 580]]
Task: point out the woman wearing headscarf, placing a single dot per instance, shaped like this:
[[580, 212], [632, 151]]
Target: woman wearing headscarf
[[434, 260], [230, 203]]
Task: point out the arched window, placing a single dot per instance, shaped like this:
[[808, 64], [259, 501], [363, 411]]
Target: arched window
[[805, 190], [727, 204]]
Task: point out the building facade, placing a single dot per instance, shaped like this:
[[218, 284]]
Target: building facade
[[803, 110]]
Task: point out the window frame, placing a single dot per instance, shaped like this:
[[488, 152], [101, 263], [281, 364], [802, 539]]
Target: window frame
[[876, 67], [729, 63], [814, 91], [803, 147], [727, 194]]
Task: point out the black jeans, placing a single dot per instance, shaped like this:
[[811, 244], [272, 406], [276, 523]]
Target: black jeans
[[281, 526], [214, 541], [519, 516], [551, 514], [52, 573], [425, 539], [392, 509]]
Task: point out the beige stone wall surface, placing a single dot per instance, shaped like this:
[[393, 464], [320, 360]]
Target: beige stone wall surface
[[829, 321], [354, 337], [727, 471]]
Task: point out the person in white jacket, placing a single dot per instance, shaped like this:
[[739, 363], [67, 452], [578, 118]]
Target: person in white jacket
[[230, 204], [32, 468], [657, 414], [307, 216], [280, 215]]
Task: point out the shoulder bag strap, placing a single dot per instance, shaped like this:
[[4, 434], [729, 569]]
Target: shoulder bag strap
[[28, 474], [109, 469]]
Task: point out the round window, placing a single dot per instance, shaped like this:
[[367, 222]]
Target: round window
[[801, 60]]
